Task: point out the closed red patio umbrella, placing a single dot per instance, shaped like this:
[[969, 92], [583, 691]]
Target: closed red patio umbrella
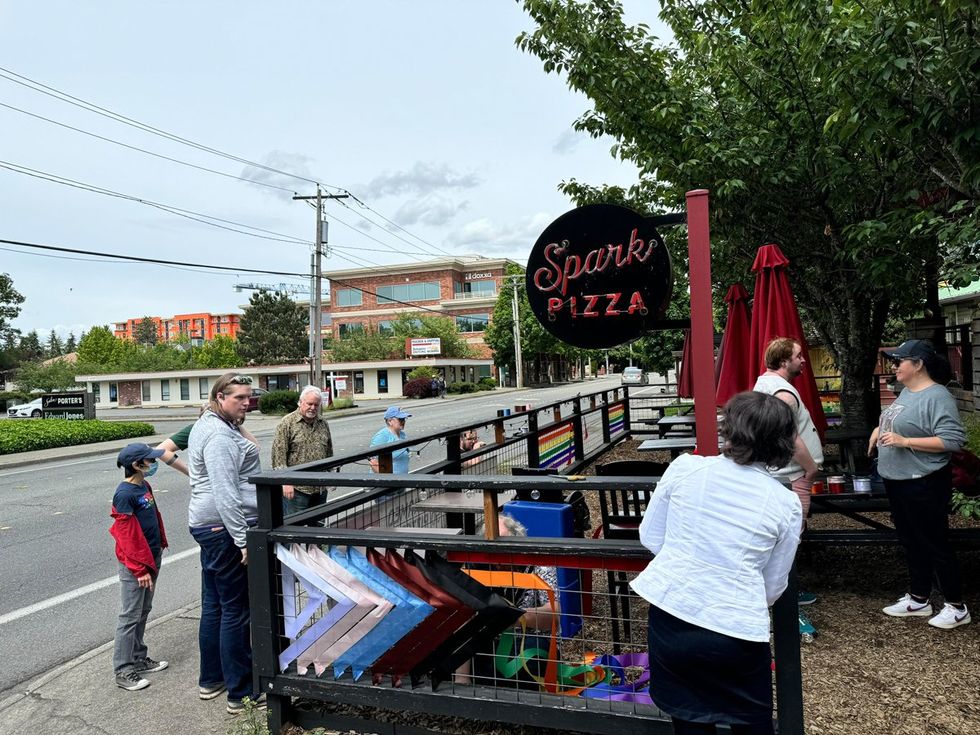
[[735, 366], [685, 381], [774, 314]]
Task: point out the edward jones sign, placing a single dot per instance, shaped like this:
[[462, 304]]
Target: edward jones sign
[[599, 276]]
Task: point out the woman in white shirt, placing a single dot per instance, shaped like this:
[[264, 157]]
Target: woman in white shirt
[[724, 534]]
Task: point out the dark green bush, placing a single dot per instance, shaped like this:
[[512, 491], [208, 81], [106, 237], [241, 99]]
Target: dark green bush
[[26, 436], [462, 388], [279, 401], [487, 383]]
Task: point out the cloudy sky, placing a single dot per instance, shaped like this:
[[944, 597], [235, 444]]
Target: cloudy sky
[[425, 110]]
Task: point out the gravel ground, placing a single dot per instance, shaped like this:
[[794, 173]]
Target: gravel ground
[[865, 673]]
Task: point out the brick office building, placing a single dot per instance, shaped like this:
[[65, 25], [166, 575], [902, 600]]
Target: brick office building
[[463, 288]]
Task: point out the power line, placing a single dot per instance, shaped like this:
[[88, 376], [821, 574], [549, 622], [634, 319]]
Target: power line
[[144, 150], [395, 224], [57, 94]]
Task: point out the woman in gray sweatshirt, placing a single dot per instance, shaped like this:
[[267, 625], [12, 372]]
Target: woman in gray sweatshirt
[[222, 507], [915, 438]]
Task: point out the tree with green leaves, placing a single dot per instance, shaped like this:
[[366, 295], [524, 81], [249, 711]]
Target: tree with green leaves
[[750, 101], [10, 300], [30, 348], [98, 350], [146, 332], [412, 325], [273, 330], [71, 344], [56, 375], [54, 347], [366, 344], [220, 352]]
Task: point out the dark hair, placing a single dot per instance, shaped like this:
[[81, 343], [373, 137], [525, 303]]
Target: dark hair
[[937, 366], [758, 427]]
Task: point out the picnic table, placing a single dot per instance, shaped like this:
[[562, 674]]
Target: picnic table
[[455, 505], [673, 444]]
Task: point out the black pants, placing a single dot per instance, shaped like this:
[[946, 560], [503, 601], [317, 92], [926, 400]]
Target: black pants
[[920, 512]]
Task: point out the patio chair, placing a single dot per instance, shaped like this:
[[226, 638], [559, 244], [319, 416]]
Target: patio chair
[[622, 511]]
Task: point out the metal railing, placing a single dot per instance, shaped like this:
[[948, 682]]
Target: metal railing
[[578, 676]]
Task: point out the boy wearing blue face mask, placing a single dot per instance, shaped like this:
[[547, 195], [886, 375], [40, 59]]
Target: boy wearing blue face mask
[[140, 541]]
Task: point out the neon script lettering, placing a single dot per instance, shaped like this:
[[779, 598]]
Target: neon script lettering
[[562, 268]]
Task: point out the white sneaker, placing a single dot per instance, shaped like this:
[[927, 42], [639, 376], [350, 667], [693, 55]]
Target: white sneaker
[[906, 607], [950, 617]]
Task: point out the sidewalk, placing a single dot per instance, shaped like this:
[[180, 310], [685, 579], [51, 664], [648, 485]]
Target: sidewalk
[[80, 697]]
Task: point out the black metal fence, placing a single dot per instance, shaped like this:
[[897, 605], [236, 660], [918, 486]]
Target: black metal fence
[[392, 597]]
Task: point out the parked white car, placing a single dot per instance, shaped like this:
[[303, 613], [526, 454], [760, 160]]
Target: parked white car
[[634, 376], [30, 410]]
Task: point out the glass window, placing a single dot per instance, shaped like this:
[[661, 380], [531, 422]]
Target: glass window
[[347, 297], [382, 381], [164, 390], [358, 382], [145, 387], [484, 371], [384, 326], [476, 288], [113, 393], [425, 291], [348, 330], [202, 387], [472, 322], [96, 391], [185, 389]]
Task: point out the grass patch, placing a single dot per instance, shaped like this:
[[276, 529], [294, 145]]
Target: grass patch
[[28, 435]]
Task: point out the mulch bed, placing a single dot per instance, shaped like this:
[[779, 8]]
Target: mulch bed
[[866, 673]]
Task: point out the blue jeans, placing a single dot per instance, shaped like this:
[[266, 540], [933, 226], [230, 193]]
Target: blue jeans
[[224, 637], [135, 605], [302, 501]]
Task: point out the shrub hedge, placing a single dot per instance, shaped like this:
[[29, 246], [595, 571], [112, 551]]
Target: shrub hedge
[[422, 371], [462, 388], [487, 383], [418, 388], [279, 401], [22, 435]]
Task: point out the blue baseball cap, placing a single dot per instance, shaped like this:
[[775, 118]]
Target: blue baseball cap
[[136, 453], [394, 412]]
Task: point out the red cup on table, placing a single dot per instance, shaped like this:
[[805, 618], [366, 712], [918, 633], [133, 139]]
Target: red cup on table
[[817, 488], [835, 485]]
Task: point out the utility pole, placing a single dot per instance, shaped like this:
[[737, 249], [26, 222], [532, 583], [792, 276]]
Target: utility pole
[[518, 358], [316, 321]]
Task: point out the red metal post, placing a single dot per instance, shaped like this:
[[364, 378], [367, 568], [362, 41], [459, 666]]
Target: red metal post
[[702, 324]]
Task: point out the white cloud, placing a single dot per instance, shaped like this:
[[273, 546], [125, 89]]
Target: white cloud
[[421, 179], [567, 142], [292, 163], [434, 210], [514, 238]]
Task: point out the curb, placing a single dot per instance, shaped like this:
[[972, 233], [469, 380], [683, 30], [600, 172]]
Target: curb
[[36, 683]]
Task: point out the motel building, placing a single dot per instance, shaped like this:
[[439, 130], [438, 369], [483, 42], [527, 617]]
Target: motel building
[[365, 380]]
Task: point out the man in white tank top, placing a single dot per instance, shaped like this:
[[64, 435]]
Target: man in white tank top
[[784, 361]]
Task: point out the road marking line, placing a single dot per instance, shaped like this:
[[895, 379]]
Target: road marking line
[[76, 593]]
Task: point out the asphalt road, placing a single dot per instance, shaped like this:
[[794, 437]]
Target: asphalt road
[[58, 594]]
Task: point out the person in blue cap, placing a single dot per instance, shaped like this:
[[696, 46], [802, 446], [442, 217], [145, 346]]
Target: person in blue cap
[[140, 540], [392, 431]]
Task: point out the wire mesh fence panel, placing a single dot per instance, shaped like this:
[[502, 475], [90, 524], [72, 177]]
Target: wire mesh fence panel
[[592, 432]]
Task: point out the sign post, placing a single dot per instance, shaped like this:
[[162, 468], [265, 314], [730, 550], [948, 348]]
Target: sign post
[[77, 406], [702, 326]]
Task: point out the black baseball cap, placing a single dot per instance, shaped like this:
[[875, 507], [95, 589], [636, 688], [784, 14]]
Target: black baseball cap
[[919, 349], [136, 453]]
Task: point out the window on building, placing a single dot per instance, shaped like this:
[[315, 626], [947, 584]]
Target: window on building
[[359, 382], [145, 388], [472, 322], [475, 289], [346, 297], [349, 330], [278, 382], [164, 390], [96, 392], [202, 384], [113, 393], [484, 371], [425, 291], [185, 389], [382, 381], [384, 326]]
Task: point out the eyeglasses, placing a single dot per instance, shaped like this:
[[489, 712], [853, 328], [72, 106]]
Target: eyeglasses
[[896, 361], [241, 380]]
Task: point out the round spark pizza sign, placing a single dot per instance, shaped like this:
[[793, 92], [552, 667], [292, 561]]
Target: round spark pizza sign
[[599, 276]]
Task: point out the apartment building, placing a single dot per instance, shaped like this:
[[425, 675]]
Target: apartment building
[[463, 289], [199, 327]]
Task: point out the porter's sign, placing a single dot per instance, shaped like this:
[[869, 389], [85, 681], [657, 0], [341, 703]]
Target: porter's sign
[[599, 276]]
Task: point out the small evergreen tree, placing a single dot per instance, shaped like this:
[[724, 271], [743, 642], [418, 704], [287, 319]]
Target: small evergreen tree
[[54, 347], [272, 330]]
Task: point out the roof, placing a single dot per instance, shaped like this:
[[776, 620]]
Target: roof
[[969, 292], [459, 262]]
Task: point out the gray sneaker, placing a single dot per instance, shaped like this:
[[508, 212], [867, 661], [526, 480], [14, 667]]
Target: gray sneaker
[[131, 681], [210, 692], [148, 665], [237, 706]]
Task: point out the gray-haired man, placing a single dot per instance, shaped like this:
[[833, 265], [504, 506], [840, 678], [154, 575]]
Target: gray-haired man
[[302, 436]]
